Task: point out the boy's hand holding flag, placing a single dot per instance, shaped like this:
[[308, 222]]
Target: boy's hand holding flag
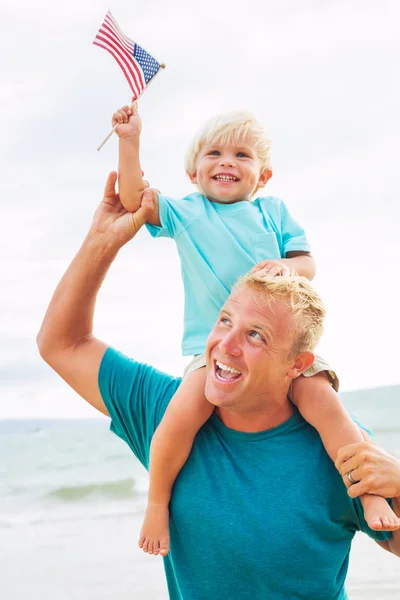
[[138, 66]]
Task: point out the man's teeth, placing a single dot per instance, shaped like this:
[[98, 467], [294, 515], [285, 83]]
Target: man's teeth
[[226, 368], [225, 178]]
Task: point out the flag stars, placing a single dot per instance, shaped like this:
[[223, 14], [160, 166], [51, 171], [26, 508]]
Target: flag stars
[[138, 66], [148, 64]]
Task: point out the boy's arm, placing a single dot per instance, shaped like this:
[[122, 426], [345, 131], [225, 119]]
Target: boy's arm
[[130, 175], [301, 262], [293, 244]]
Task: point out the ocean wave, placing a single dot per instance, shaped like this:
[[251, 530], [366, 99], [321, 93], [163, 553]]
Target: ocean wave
[[117, 456], [118, 490]]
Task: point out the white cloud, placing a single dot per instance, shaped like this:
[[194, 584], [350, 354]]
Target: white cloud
[[323, 77]]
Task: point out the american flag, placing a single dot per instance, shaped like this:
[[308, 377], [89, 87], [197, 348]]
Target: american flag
[[138, 66]]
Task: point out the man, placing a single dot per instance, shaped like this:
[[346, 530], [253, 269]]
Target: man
[[259, 510]]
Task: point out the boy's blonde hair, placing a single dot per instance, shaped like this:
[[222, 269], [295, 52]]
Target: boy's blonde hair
[[226, 129], [301, 300]]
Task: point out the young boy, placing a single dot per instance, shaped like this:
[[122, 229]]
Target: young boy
[[221, 234]]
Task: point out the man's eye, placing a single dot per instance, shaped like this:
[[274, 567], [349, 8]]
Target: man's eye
[[225, 320], [256, 335]]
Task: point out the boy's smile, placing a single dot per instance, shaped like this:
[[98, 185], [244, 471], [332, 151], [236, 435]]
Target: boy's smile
[[229, 173]]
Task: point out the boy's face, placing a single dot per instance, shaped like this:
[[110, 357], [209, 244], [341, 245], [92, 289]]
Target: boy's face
[[229, 173]]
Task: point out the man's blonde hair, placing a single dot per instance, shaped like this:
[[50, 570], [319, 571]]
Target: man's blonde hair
[[301, 300], [226, 129]]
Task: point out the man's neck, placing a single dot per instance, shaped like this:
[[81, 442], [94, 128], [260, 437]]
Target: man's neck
[[269, 416]]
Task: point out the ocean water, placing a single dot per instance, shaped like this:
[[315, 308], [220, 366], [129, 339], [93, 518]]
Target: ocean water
[[72, 498]]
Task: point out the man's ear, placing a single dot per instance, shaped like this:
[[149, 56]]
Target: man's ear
[[300, 364], [264, 176], [193, 177]]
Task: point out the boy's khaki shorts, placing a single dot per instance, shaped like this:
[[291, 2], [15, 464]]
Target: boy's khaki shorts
[[318, 365]]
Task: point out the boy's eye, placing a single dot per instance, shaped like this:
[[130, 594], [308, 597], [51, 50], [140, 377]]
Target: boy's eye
[[214, 153], [242, 155]]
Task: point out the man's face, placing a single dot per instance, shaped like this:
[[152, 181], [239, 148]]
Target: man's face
[[247, 353], [229, 173]]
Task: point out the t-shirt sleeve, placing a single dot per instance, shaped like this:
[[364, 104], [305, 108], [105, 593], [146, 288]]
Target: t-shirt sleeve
[[293, 235], [175, 216], [136, 397]]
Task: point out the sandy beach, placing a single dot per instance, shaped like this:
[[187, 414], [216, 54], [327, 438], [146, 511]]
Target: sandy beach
[[72, 501], [82, 560]]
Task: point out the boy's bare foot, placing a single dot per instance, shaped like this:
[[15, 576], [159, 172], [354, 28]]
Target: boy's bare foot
[[154, 535], [378, 513]]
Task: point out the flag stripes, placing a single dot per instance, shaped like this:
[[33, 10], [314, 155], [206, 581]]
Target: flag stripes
[[122, 48]]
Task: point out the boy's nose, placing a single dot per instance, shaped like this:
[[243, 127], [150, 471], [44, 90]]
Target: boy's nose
[[227, 161]]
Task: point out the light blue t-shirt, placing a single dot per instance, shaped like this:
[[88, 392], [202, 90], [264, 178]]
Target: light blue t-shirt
[[217, 243], [254, 516]]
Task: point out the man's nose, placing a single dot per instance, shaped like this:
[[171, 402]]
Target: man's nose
[[230, 345]]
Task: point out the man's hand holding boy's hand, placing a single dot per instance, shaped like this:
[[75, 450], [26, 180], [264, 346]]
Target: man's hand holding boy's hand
[[272, 268], [114, 225], [128, 120]]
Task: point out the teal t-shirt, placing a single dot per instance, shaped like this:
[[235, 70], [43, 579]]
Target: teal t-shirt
[[260, 516], [217, 243]]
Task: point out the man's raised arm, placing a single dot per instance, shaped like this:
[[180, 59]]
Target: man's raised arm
[[66, 340]]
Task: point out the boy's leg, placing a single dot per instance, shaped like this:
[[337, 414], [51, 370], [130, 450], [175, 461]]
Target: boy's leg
[[320, 406], [170, 447]]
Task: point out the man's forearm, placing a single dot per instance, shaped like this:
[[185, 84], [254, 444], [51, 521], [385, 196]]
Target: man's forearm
[[66, 340], [130, 179], [69, 317]]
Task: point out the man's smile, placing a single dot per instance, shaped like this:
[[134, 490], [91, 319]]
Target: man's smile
[[225, 373]]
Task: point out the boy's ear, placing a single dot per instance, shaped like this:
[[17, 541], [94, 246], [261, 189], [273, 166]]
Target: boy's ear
[[264, 176], [193, 177], [301, 363]]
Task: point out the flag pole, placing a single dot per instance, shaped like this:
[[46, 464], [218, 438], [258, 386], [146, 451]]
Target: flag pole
[[162, 66]]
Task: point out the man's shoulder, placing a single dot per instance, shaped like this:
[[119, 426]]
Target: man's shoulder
[[136, 396], [119, 372]]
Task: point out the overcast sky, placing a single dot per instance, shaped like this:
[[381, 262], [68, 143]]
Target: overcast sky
[[323, 77]]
